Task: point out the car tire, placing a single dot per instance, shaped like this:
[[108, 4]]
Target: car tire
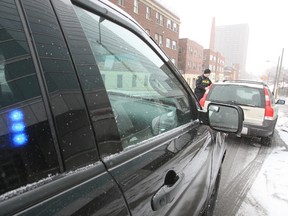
[[208, 211], [266, 141]]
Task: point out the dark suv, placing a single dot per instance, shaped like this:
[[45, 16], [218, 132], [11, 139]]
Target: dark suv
[[96, 120]]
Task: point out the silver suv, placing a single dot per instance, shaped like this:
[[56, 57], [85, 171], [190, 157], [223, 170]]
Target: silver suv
[[256, 100]]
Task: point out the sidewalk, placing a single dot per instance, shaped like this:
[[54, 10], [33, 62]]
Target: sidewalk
[[268, 195]]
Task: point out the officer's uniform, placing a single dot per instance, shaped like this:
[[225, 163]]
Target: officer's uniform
[[201, 83]]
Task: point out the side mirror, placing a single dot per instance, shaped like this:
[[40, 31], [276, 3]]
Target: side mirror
[[281, 102], [223, 117]]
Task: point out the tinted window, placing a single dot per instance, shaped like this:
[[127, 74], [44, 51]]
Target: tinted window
[[74, 131], [237, 94], [146, 97], [26, 144]]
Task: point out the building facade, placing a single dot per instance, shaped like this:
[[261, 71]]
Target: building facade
[[159, 21], [232, 42], [215, 62], [190, 58]]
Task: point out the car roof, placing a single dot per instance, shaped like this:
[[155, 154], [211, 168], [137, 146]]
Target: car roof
[[249, 83]]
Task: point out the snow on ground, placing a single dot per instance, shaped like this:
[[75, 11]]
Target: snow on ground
[[269, 193]]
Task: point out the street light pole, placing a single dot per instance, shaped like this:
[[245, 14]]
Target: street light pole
[[276, 75]]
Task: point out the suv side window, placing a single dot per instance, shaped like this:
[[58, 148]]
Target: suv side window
[[75, 135], [27, 149], [145, 96]]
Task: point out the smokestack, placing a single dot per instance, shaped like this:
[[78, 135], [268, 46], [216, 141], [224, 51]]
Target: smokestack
[[212, 35]]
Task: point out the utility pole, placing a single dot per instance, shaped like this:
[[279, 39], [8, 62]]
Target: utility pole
[[276, 75], [279, 71]]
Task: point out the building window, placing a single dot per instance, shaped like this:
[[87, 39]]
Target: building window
[[119, 81], [169, 24], [173, 61], [175, 27], [160, 40], [136, 6], [157, 18], [156, 37], [161, 19], [168, 43], [147, 31], [148, 13], [121, 2], [174, 45]]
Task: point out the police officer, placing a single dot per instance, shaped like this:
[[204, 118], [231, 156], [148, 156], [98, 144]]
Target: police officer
[[202, 83]]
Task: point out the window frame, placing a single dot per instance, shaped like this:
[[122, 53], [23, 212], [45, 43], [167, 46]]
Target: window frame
[[136, 6], [44, 189], [168, 43], [148, 13], [169, 23], [134, 28], [121, 3]]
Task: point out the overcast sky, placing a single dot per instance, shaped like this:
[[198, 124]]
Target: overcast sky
[[267, 22]]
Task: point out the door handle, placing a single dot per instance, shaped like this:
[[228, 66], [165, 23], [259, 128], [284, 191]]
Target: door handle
[[166, 193]]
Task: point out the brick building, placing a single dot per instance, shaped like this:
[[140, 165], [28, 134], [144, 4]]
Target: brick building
[[215, 62], [160, 22], [190, 60]]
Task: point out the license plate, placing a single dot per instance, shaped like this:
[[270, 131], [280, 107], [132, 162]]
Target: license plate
[[244, 130]]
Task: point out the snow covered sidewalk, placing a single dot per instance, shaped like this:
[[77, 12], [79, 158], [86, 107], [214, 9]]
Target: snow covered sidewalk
[[269, 193]]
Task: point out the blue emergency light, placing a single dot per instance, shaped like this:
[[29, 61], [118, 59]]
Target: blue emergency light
[[19, 137]]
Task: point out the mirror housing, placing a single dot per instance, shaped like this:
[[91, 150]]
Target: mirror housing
[[223, 117], [280, 101]]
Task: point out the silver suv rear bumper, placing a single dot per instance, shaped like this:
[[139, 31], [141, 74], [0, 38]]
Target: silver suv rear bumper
[[260, 131]]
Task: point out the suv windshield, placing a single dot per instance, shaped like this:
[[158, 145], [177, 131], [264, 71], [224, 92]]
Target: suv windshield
[[237, 94]]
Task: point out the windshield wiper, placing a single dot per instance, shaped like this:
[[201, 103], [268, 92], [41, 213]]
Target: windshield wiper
[[239, 103]]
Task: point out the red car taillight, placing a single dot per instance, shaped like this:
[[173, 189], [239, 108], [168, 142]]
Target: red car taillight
[[269, 111]]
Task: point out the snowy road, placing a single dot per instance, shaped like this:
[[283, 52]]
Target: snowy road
[[254, 177]]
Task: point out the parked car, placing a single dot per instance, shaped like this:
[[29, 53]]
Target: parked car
[[96, 120], [256, 100]]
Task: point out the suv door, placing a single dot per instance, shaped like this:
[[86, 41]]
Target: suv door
[[150, 140], [49, 163]]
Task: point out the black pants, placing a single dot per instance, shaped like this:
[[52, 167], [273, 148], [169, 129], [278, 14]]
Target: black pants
[[199, 95]]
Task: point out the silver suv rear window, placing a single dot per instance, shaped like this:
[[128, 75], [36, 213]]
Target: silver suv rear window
[[237, 94]]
